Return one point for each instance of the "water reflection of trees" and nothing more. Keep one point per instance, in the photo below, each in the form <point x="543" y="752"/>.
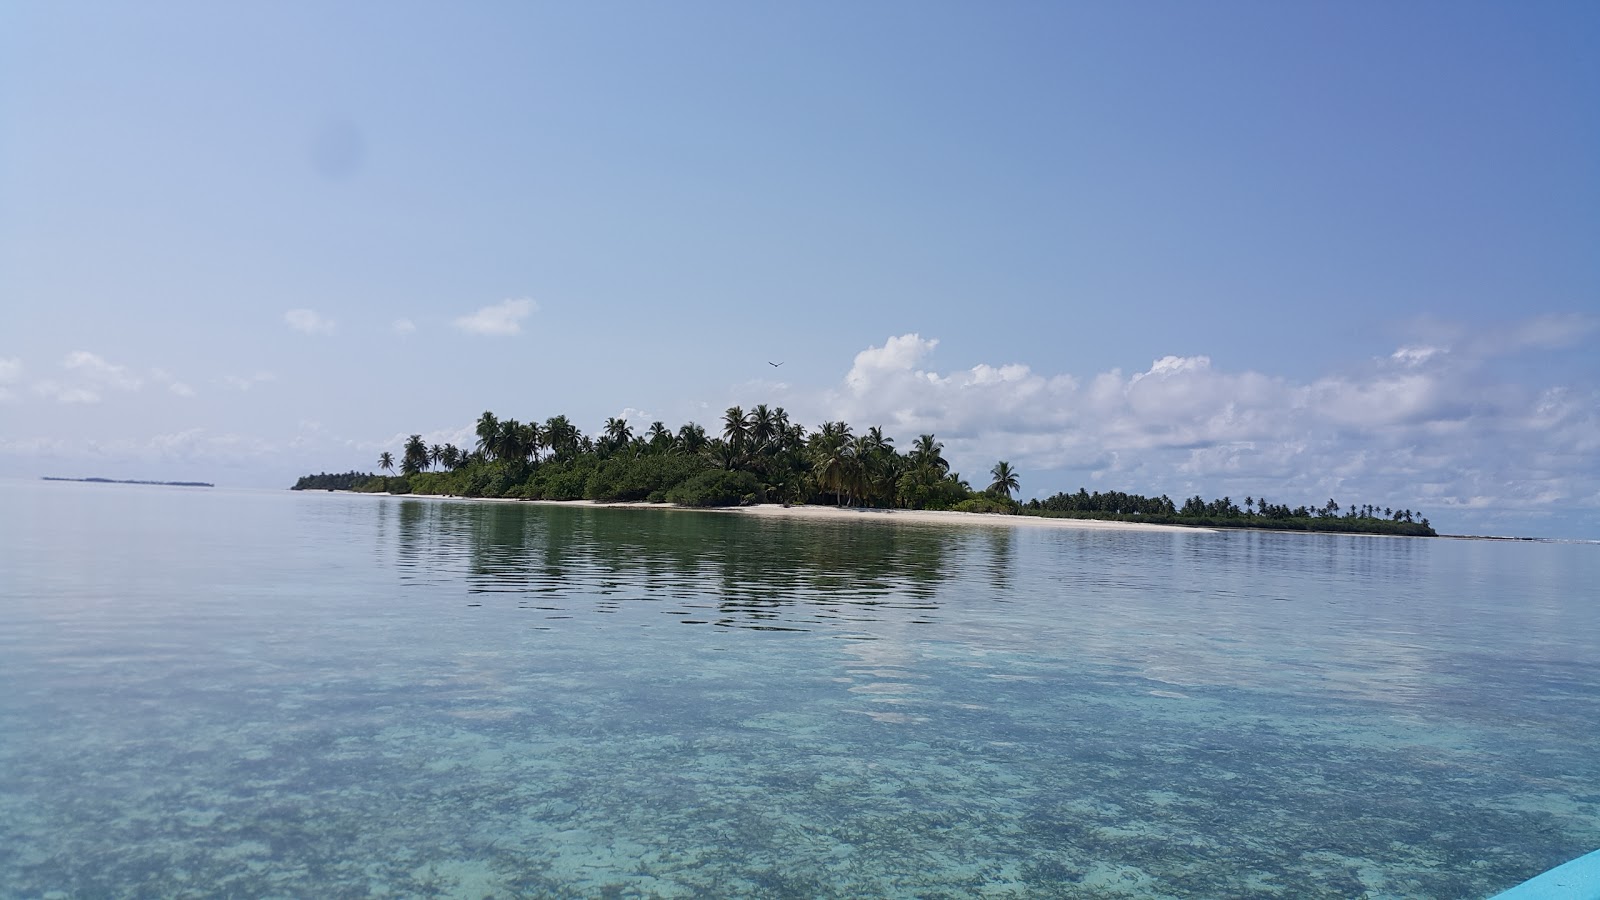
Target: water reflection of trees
<point x="750" y="571"/>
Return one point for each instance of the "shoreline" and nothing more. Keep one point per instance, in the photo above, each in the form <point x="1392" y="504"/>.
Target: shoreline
<point x="834" y="514"/>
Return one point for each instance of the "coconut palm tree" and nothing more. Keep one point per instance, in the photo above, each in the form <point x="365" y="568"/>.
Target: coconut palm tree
<point x="926" y="452"/>
<point x="487" y="430"/>
<point x="415" y="458"/>
<point x="780" y="427"/>
<point x="562" y="437"/>
<point x="386" y="461"/>
<point x="1005" y="479"/>
<point x="830" y="450"/>
<point x="618" y="434"/>
<point x="507" y="443"/>
<point x="530" y="439"/>
<point x="691" y="438"/>
<point x="735" y="428"/>
<point x="659" y="437"/>
<point x="763" y="428"/>
<point x="435" y="456"/>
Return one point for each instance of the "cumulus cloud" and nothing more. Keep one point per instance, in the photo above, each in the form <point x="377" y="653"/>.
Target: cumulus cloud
<point x="309" y="321"/>
<point x="87" y="378"/>
<point x="500" y="320"/>
<point x="173" y="385"/>
<point x="403" y="326"/>
<point x="97" y="371"/>
<point x="246" y="382"/>
<point x="1421" y="426"/>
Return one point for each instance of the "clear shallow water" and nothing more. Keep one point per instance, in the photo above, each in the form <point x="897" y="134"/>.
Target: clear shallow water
<point x="212" y="693"/>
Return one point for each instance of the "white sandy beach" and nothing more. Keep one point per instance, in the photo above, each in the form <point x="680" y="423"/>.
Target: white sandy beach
<point x="942" y="517"/>
<point x="851" y="514"/>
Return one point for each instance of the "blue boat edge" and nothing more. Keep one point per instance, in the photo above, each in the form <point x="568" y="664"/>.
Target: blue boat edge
<point x="1575" y="880"/>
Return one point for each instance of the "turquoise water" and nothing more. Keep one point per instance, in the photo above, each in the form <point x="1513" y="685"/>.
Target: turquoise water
<point x="213" y="693"/>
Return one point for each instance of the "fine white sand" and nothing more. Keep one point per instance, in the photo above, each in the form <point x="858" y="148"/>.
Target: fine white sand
<point x="939" y="517"/>
<point x="849" y="514"/>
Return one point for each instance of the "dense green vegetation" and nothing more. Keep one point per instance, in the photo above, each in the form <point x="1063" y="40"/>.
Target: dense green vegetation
<point x="322" y="481"/>
<point x="761" y="456"/>
<point x="1224" y="513"/>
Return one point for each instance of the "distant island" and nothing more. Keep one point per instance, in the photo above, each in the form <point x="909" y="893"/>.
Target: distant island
<point x="763" y="457"/>
<point x="133" y="481"/>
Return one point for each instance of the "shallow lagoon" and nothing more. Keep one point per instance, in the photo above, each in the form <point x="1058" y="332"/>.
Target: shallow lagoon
<point x="270" y="694"/>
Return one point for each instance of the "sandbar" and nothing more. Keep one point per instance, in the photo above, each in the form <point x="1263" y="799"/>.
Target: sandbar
<point x="839" y="513"/>
<point x="944" y="517"/>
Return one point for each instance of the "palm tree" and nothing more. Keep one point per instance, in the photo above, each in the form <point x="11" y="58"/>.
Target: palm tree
<point x="530" y="439"/>
<point x="488" y="430"/>
<point x="831" y="459"/>
<point x="508" y="441"/>
<point x="926" y="453"/>
<point x="659" y="437"/>
<point x="618" y="434"/>
<point x="386" y="461"/>
<point x="763" y="428"/>
<point x="1005" y="479"/>
<point x="784" y="434"/>
<point x="879" y="465"/>
<point x="691" y="438"/>
<point x="721" y="454"/>
<point x="415" y="458"/>
<point x="435" y="456"/>
<point x="735" y="428"/>
<point x="562" y="437"/>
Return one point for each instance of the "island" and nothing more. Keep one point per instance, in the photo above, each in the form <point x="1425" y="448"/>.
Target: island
<point x="761" y="456"/>
<point x="204" y="484"/>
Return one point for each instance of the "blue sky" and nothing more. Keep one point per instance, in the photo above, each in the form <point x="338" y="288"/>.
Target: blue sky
<point x="1294" y="250"/>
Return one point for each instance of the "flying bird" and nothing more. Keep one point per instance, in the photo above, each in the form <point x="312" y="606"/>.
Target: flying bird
<point x="773" y="364"/>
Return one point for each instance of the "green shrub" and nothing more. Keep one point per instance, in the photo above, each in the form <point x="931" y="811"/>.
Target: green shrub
<point x="717" y="487"/>
<point x="986" y="505"/>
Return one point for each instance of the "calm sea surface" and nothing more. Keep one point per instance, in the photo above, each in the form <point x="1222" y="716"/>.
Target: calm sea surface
<point x="214" y="693"/>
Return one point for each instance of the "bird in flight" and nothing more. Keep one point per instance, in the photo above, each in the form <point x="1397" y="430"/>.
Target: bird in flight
<point x="774" y="364"/>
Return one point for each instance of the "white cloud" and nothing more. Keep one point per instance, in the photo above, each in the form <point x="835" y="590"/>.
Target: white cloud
<point x="97" y="371"/>
<point x="1422" y="427"/>
<point x="897" y="354"/>
<point x="1547" y="332"/>
<point x="10" y="373"/>
<point x="500" y="320"/>
<point x="161" y="376"/>
<point x="403" y="326"/>
<point x="1412" y="357"/>
<point x="309" y="321"/>
<point x="66" y="393"/>
<point x="86" y="378"/>
<point x="246" y="382"/>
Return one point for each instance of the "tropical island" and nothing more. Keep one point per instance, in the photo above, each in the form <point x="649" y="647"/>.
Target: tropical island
<point x="204" y="484"/>
<point x="763" y="457"/>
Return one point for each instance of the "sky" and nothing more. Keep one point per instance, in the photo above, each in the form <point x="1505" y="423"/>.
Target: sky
<point x="1300" y="251"/>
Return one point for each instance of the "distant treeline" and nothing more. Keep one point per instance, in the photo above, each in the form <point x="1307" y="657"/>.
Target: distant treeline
<point x="1225" y="513"/>
<point x="342" y="481"/>
<point x="133" y="481"/>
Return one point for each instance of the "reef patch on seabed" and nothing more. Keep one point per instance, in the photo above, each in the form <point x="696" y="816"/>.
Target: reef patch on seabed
<point x="757" y="772"/>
